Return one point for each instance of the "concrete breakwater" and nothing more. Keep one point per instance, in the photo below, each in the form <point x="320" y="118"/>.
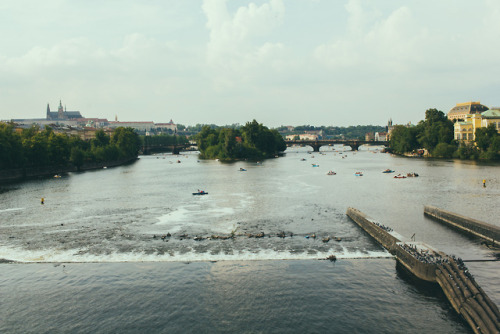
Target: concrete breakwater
<point x="459" y="286"/>
<point x="14" y="175"/>
<point x="469" y="225"/>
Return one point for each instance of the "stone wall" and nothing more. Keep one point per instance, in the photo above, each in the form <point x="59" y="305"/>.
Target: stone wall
<point x="383" y="237"/>
<point x="475" y="227"/>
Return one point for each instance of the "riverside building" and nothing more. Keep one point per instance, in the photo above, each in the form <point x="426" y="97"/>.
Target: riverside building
<point x="469" y="116"/>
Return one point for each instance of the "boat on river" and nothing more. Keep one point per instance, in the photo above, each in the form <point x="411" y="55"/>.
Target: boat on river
<point x="315" y="165"/>
<point x="200" y="192"/>
<point x="331" y="172"/>
<point x="400" y="176"/>
<point x="388" y="171"/>
<point x="358" y="174"/>
<point x="242" y="169"/>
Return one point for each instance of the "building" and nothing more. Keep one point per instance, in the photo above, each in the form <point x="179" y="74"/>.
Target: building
<point x="303" y="136"/>
<point x="61" y="114"/>
<point x="466" y="130"/>
<point x="141" y="126"/>
<point x="369" y="136"/>
<point x="461" y="110"/>
<point x="491" y="116"/>
<point x="166" y="126"/>
<point x="380" y="136"/>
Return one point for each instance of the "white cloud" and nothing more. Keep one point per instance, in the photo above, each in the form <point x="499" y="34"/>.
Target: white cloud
<point x="238" y="49"/>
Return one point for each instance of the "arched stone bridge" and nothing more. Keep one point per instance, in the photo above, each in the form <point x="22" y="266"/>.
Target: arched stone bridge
<point x="354" y="144"/>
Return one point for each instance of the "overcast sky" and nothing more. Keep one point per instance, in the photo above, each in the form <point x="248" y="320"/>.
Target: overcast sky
<point x="281" y="62"/>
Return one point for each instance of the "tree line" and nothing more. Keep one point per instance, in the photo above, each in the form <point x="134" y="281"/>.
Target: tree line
<point x="251" y="141"/>
<point x="163" y="140"/>
<point x="36" y="147"/>
<point x="436" y="135"/>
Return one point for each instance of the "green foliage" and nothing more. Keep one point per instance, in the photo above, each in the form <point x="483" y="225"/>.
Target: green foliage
<point x="467" y="152"/>
<point x="251" y="141"/>
<point x="488" y="141"/>
<point x="34" y="147"/>
<point x="403" y="139"/>
<point x="436" y="135"/>
<point x="444" y="150"/>
<point x="11" y="152"/>
<point x="163" y="140"/>
<point x="434" y="130"/>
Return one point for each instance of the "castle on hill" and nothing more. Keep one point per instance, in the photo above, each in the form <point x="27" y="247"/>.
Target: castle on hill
<point x="62" y="114"/>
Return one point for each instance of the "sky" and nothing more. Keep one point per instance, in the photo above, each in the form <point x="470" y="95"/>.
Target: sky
<point x="281" y="62"/>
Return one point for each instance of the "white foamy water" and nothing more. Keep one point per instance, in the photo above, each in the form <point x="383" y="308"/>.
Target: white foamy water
<point x="73" y="256"/>
<point x="11" y="209"/>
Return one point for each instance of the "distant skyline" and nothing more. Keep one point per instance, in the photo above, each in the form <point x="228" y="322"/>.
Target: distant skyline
<point x="316" y="62"/>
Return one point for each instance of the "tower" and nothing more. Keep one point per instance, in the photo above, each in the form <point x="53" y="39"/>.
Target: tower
<point x="60" y="111"/>
<point x="48" y="112"/>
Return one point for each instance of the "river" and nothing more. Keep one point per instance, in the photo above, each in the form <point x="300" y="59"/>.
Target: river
<point x="95" y="257"/>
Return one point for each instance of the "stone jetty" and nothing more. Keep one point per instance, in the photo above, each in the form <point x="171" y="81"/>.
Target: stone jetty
<point x="468" y="225"/>
<point x="426" y="263"/>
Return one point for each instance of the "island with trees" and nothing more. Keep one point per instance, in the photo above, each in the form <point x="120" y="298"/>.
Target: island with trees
<point x="252" y="141"/>
<point x="435" y="134"/>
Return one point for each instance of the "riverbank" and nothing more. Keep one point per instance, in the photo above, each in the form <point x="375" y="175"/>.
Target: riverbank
<point x="21" y="174"/>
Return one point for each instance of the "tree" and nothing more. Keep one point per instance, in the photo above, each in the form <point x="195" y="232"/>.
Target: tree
<point x="485" y="136"/>
<point x="435" y="129"/>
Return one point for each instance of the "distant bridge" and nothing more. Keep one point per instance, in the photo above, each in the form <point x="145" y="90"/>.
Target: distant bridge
<point x="175" y="148"/>
<point x="354" y="144"/>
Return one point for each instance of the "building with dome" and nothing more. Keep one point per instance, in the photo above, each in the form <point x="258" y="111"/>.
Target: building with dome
<point x="461" y="110"/>
<point x="466" y="124"/>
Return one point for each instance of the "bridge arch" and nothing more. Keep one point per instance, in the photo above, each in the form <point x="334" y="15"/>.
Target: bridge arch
<point x="316" y="144"/>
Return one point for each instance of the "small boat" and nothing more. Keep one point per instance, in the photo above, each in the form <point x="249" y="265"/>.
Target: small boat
<point x="302" y="159"/>
<point x="242" y="169"/>
<point x="201" y="192"/>
<point x="315" y="165"/>
<point x="388" y="171"/>
<point x="412" y="174"/>
<point x="399" y="176"/>
<point x="331" y="173"/>
<point x="57" y="176"/>
<point x="358" y="174"/>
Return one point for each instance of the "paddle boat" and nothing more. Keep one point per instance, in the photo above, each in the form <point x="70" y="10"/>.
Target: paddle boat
<point x="200" y="192"/>
<point x="242" y="169"/>
<point x="388" y="171"/>
<point x="331" y="172"/>
<point x="315" y="165"/>
<point x="358" y="174"/>
<point x="399" y="176"/>
<point x="412" y="174"/>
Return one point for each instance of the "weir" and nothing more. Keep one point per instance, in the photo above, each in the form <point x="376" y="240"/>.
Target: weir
<point x="426" y="263"/>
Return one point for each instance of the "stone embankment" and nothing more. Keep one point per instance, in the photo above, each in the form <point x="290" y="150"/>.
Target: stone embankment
<point x="14" y="175"/>
<point x="468" y="225"/>
<point x="459" y="286"/>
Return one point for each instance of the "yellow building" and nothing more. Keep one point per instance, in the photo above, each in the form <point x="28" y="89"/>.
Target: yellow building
<point x="491" y="117"/>
<point x="461" y="110"/>
<point x="466" y="130"/>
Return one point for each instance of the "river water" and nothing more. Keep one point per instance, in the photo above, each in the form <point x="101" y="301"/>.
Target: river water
<point x="94" y="257"/>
